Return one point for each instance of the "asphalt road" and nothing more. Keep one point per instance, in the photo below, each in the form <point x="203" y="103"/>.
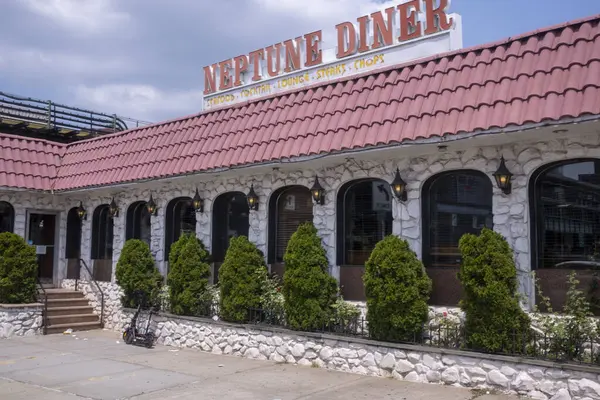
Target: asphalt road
<point x="92" y="365"/>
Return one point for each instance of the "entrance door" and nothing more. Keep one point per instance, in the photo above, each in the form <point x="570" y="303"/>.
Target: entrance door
<point x="42" y="230"/>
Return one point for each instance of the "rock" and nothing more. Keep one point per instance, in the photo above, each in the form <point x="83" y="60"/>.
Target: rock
<point x="524" y="382"/>
<point x="326" y="353"/>
<point x="536" y="395"/>
<point x="450" y="375"/>
<point x="304" y="362"/>
<point x="298" y="350"/>
<point x="562" y="394"/>
<point x="414" y="358"/>
<point x="495" y="377"/>
<point x="403" y="366"/>
<point x="412" y="377"/>
<point x="590" y="388"/>
<point x="347" y="353"/>
<point x="433" y="376"/>
<point x="369" y="360"/>
<point x="448" y="361"/>
<point x="388" y="362"/>
<point x="507" y="371"/>
<point x="476" y="371"/>
<point x="251" y="352"/>
<point x="430" y="362"/>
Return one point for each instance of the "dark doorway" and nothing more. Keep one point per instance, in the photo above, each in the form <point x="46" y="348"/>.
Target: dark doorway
<point x="42" y="231"/>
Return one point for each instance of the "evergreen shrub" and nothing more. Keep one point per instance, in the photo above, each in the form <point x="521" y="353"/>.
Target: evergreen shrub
<point x="308" y="289"/>
<point x="18" y="270"/>
<point x="494" y="320"/>
<point x="137" y="275"/>
<point x="241" y="277"/>
<point x="397" y="290"/>
<point x="189" y="270"/>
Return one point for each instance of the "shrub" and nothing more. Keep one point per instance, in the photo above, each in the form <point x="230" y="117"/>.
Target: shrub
<point x="272" y="301"/>
<point x="18" y="270"/>
<point x="137" y="275"/>
<point x="397" y="290"/>
<point x="494" y="320"/>
<point x="240" y="278"/>
<point x="308" y="289"/>
<point x="189" y="270"/>
<point x="564" y="336"/>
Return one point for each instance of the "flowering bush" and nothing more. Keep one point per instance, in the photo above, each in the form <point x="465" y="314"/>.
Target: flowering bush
<point x="272" y="300"/>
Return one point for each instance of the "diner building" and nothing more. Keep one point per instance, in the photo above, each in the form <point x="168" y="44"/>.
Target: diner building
<point x="505" y="135"/>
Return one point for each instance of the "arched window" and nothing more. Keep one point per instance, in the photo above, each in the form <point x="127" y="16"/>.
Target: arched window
<point x="454" y="203"/>
<point x="289" y="207"/>
<point x="230" y="218"/>
<point x="102" y="243"/>
<point x="138" y="222"/>
<point x="180" y="218"/>
<point x="565" y="221"/>
<point x="7" y="217"/>
<point x="73" y="245"/>
<point x="364" y="217"/>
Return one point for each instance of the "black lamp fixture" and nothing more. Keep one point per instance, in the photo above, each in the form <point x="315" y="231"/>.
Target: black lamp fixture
<point x="399" y="187"/>
<point x="503" y="177"/>
<point x="317" y="191"/>
<point x="151" y="206"/>
<point x="113" y="208"/>
<point x="81" y="211"/>
<point x="198" y="202"/>
<point x="252" y="198"/>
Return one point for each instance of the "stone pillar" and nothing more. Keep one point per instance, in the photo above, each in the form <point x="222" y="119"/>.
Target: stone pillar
<point x="324" y="219"/>
<point x="86" y="240"/>
<point x="118" y="235"/>
<point x="157" y="223"/>
<point x="204" y="224"/>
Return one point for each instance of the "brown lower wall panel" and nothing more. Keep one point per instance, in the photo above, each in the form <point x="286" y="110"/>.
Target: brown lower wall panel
<point x="554" y="284"/>
<point x="73" y="268"/>
<point x="103" y="270"/>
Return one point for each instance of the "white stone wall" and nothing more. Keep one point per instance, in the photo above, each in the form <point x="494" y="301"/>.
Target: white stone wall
<point x="20" y="320"/>
<point x="511" y="212"/>
<point x="538" y="380"/>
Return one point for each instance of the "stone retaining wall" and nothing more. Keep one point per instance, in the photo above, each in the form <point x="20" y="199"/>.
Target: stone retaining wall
<point x="536" y="379"/>
<point x="20" y="320"/>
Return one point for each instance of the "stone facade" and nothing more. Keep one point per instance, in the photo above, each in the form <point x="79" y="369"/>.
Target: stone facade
<point x="20" y="320"/>
<point x="538" y="380"/>
<point x="112" y="299"/>
<point x="511" y="212"/>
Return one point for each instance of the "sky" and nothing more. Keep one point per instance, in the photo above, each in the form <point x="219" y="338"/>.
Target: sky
<point x="144" y="59"/>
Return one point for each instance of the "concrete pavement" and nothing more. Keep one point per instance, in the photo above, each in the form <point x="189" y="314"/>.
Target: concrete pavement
<point x="92" y="365"/>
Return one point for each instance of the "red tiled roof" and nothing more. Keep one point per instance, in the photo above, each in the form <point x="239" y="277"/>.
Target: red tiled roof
<point x="28" y="163"/>
<point x="546" y="75"/>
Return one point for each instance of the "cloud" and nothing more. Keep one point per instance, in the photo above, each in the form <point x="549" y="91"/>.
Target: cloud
<point x="140" y="101"/>
<point x="83" y="16"/>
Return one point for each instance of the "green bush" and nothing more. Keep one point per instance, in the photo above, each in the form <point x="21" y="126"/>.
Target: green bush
<point x="494" y="320"/>
<point x="240" y="277"/>
<point x="308" y="289"/>
<point x="189" y="270"/>
<point x="397" y="290"/>
<point x="18" y="270"/>
<point x="137" y="273"/>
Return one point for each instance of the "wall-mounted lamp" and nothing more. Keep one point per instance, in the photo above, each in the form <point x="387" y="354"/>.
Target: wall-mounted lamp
<point x="151" y="206"/>
<point x="113" y="209"/>
<point x="503" y="177"/>
<point x="399" y="187"/>
<point x="317" y="191"/>
<point x="252" y="199"/>
<point x="198" y="202"/>
<point x="81" y="212"/>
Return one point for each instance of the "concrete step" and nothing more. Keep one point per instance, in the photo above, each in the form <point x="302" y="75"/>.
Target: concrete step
<point x="56" y="311"/>
<point x="62" y="294"/>
<point x="76" y="327"/>
<point x="74" y="302"/>
<point x="71" y="319"/>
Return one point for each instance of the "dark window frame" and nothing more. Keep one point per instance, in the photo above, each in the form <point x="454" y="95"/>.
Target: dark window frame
<point x="173" y="220"/>
<point x="136" y="212"/>
<point x="341" y="253"/>
<point x="11" y="212"/>
<point x="102" y="233"/>
<point x="535" y="204"/>
<point x="73" y="235"/>
<point x="273" y="225"/>
<point x="220" y="222"/>
<point x="427" y="203"/>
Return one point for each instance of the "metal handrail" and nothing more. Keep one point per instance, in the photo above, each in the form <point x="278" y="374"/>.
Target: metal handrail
<point x="45" y="314"/>
<point x="81" y="262"/>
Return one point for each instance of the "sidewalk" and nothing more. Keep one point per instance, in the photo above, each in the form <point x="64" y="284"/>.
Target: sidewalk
<point x="92" y="365"/>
